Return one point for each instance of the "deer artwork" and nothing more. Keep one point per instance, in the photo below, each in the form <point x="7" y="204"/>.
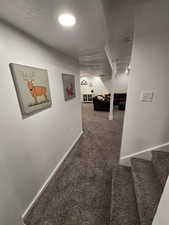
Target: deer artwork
<point x="36" y="91"/>
<point x="69" y="90"/>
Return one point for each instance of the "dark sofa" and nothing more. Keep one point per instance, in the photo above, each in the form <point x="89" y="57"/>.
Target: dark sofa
<point x="104" y="103"/>
<point x="119" y="98"/>
<point x="101" y="105"/>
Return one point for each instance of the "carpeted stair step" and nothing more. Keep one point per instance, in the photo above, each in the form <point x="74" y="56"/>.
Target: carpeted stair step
<point x="123" y="204"/>
<point x="161" y="165"/>
<point x="148" y="189"/>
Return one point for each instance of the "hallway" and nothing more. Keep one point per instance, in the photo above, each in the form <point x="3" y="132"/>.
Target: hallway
<point x="79" y="194"/>
<point x="62" y="163"/>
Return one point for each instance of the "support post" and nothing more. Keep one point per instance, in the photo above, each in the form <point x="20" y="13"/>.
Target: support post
<point x="114" y="71"/>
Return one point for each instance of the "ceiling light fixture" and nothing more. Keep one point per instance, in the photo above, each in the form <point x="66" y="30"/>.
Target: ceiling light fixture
<point x="67" y="20"/>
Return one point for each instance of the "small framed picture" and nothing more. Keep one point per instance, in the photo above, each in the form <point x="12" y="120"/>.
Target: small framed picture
<point x="69" y="86"/>
<point x="32" y="87"/>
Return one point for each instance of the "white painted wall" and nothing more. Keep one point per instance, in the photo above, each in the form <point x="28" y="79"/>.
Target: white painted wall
<point x="147" y="124"/>
<point x="95" y="83"/>
<point x="104" y="85"/>
<point x="121" y="83"/>
<point x="31" y="148"/>
<point x="161" y="217"/>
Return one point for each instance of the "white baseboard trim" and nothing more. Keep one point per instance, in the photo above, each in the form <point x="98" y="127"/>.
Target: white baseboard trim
<point x="50" y="177"/>
<point x="144" y="154"/>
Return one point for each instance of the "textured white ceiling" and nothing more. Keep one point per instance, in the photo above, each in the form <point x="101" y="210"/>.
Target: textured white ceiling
<point x="119" y="15"/>
<point x="120" y="21"/>
<point x="96" y="21"/>
<point x="94" y="62"/>
<point x="39" y="18"/>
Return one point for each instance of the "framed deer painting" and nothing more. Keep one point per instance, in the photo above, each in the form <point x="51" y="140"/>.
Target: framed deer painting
<point x="68" y="86"/>
<point x="32" y="87"/>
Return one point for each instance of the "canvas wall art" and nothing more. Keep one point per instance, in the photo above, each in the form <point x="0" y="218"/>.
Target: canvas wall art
<point x="32" y="87"/>
<point x="69" y="86"/>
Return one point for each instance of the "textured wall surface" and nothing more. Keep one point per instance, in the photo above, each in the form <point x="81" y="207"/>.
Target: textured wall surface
<point x="146" y="123"/>
<point x="31" y="148"/>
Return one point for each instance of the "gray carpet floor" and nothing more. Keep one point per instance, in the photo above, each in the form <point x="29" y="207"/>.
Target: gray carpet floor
<point x="147" y="188"/>
<point x="80" y="192"/>
<point x="124" y="206"/>
<point x="161" y="164"/>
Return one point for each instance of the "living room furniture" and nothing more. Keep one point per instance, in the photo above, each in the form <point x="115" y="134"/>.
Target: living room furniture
<point x="119" y="98"/>
<point x="87" y="98"/>
<point x="122" y="106"/>
<point x="101" y="104"/>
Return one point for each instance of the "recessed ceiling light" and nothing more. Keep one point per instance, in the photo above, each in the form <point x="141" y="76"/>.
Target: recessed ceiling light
<point x="67" y="20"/>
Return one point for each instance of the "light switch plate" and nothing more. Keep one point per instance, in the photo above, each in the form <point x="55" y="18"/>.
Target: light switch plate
<point x="146" y="96"/>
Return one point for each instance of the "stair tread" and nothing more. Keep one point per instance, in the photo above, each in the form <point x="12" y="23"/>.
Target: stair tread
<point x="148" y="189"/>
<point x="161" y="164"/>
<point x="123" y="205"/>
